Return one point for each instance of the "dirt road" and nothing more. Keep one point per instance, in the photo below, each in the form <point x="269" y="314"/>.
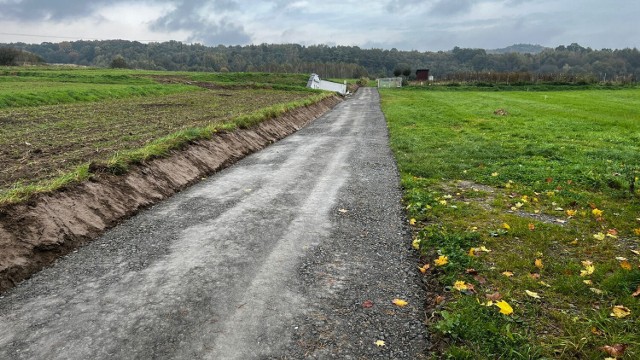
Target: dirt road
<point x="273" y="257"/>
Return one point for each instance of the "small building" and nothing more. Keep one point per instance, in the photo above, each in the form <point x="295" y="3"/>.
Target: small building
<point x="422" y="75"/>
<point x="316" y="83"/>
<point x="394" y="82"/>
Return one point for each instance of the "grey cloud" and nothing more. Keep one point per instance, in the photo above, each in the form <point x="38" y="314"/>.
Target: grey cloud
<point x="220" y="33"/>
<point x="46" y="9"/>
<point x="189" y="16"/>
<point x="448" y="7"/>
<point x="405" y="6"/>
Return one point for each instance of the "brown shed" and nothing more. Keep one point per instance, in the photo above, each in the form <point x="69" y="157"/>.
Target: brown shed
<point x="422" y="74"/>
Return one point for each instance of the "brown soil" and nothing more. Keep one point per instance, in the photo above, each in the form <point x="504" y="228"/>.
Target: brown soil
<point x="41" y="144"/>
<point x="34" y="234"/>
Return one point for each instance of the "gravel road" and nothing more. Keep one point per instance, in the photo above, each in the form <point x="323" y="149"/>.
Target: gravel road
<point x="273" y="257"/>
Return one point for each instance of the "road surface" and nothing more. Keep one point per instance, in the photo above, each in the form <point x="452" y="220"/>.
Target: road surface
<point x="272" y="257"/>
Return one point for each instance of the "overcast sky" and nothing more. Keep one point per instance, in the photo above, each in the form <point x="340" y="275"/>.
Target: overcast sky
<point x="427" y="25"/>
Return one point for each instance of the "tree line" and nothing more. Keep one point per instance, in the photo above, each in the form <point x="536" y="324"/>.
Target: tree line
<point x="341" y="61"/>
<point x="13" y="57"/>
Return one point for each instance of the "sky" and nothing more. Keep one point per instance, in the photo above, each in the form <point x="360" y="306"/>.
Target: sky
<point x="427" y="25"/>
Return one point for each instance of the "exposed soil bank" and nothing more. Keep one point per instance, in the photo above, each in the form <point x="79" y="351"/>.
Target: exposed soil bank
<point x="34" y="234"/>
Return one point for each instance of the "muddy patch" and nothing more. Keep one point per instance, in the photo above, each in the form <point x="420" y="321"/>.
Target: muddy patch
<point x="34" y="234"/>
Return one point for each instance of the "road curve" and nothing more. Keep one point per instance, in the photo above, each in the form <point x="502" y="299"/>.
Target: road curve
<point x="273" y="257"/>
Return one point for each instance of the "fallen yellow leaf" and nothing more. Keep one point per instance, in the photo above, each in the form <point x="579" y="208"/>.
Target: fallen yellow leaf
<point x="544" y="284"/>
<point x="571" y="212"/>
<point x="400" y="302"/>
<point x="507" y="273"/>
<point x="443" y="202"/>
<point x="636" y="231"/>
<point x="588" y="270"/>
<point x="532" y="227"/>
<point x="587" y="282"/>
<point x="460" y="285"/>
<point x="412" y="221"/>
<point x="494" y="174"/>
<point x="416" y="244"/>
<point x="597" y="212"/>
<point x="599" y="236"/>
<point x="596" y="291"/>
<point x="424" y="268"/>
<point x="380" y="343"/>
<point x="505" y="308"/>
<point x="625" y="265"/>
<point x="532" y="294"/>
<point x="620" y="311"/>
<point x="472" y="252"/>
<point x="538" y="263"/>
<point x="506" y="226"/>
<point x="441" y="261"/>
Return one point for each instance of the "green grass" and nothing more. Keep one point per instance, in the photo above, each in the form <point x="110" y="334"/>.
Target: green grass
<point x="541" y="170"/>
<point x="57" y="121"/>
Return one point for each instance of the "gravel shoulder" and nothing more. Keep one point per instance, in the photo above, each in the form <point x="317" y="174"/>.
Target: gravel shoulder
<point x="270" y="258"/>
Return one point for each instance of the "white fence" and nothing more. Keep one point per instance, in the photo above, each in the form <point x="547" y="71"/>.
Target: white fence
<point x="390" y="82"/>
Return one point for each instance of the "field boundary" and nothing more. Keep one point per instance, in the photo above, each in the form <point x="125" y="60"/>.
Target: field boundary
<point x="36" y="232"/>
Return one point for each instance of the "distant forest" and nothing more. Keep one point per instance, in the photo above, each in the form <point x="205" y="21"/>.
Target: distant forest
<point x="342" y="61"/>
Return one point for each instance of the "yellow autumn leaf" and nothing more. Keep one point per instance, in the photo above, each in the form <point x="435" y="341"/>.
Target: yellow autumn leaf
<point x="441" y="261"/>
<point x="460" y="285"/>
<point x="505" y="308"/>
<point x="472" y="252"/>
<point x="599" y="236"/>
<point x="587" y="282"/>
<point x="532" y="227"/>
<point x="380" y="343"/>
<point x="494" y="174"/>
<point x="443" y="202"/>
<point x="483" y="248"/>
<point x="636" y="231"/>
<point x="571" y="212"/>
<point x="400" y="302"/>
<point x="424" y="268"/>
<point x="588" y="270"/>
<point x="597" y="212"/>
<point x="412" y="221"/>
<point x="626" y="265"/>
<point x="532" y="294"/>
<point x="538" y="263"/>
<point x="506" y="226"/>
<point x="620" y="311"/>
<point x="507" y="273"/>
<point x="416" y="244"/>
<point x="596" y="291"/>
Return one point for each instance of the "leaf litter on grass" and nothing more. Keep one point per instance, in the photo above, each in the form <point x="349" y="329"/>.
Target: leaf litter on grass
<point x="563" y="272"/>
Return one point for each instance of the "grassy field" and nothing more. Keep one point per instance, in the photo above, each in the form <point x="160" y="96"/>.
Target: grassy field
<point x="54" y="122"/>
<point x="526" y="211"/>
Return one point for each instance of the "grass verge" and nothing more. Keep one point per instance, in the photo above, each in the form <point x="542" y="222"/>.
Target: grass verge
<point x="526" y="212"/>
